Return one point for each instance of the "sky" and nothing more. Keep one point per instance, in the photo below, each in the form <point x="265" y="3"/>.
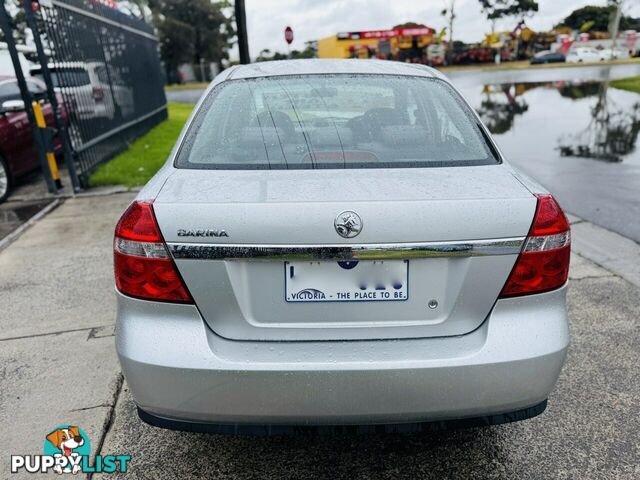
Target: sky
<point x="313" y="19"/>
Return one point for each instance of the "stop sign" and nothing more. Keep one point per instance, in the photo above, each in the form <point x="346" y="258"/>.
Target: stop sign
<point x="288" y="35"/>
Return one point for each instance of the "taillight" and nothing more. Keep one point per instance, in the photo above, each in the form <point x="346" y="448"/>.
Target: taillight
<point x="543" y="264"/>
<point x="98" y="94"/>
<point x="143" y="267"/>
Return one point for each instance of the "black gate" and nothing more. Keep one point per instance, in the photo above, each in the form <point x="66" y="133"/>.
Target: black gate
<point x="104" y="66"/>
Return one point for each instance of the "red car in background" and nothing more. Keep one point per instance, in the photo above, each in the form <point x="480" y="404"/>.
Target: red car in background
<point x="18" y="155"/>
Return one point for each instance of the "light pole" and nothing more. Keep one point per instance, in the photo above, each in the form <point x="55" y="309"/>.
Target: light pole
<point x="241" y="27"/>
<point x="614" y="25"/>
<point x="449" y="13"/>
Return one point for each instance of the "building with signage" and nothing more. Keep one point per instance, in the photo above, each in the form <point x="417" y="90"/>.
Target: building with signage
<point x="399" y="43"/>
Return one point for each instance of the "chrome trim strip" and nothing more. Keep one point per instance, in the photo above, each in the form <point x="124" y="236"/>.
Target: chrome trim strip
<point x="471" y="248"/>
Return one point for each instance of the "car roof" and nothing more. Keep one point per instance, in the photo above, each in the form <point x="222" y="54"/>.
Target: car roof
<point x="12" y="78"/>
<point x="317" y="66"/>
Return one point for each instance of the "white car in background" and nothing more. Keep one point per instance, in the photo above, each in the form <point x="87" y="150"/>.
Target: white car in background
<point x="6" y="65"/>
<point x="583" y="54"/>
<point x="613" y="54"/>
<point x="88" y="86"/>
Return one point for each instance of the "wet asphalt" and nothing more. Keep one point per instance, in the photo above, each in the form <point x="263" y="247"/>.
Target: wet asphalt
<point x="14" y="214"/>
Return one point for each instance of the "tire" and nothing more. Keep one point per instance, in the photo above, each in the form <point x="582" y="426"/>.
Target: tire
<point x="5" y="180"/>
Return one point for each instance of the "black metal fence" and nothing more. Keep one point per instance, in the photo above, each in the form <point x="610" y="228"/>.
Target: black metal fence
<point x="105" y="65"/>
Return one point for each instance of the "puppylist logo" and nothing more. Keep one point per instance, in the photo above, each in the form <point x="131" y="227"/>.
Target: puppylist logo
<point x="67" y="450"/>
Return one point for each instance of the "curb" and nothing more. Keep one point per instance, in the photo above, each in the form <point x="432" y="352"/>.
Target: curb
<point x="605" y="248"/>
<point x="92" y="192"/>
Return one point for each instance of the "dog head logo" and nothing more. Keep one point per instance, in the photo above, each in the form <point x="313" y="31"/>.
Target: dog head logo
<point x="67" y="441"/>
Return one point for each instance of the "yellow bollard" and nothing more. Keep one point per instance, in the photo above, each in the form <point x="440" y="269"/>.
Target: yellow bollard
<point x="51" y="158"/>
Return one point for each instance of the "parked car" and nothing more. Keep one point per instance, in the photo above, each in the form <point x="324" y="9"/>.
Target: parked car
<point x="546" y="56"/>
<point x="88" y="86"/>
<point x="436" y="54"/>
<point x="583" y="54"/>
<point x="17" y="151"/>
<point x="613" y="54"/>
<point x="339" y="242"/>
<point x="6" y="65"/>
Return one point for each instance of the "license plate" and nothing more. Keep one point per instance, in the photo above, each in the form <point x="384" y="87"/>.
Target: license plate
<point x="349" y="281"/>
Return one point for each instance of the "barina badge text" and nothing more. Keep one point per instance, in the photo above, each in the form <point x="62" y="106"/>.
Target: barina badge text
<point x="183" y="232"/>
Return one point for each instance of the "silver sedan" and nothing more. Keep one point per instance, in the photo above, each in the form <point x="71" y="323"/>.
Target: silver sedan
<point x="339" y="243"/>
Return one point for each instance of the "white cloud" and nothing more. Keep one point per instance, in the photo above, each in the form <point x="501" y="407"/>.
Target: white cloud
<point x="313" y="19"/>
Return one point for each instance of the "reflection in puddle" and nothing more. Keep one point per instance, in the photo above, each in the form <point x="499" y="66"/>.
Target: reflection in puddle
<point x="579" y="119"/>
<point x="501" y="104"/>
<point x="611" y="133"/>
<point x="14" y="214"/>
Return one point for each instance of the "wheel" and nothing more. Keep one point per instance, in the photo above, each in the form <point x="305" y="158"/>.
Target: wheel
<point x="5" y="180"/>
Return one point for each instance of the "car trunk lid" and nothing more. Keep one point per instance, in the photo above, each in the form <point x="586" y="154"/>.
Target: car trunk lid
<point x="449" y="236"/>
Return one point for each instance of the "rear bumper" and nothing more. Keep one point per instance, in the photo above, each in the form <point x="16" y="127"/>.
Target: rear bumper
<point x="180" y="371"/>
<point x="271" y="429"/>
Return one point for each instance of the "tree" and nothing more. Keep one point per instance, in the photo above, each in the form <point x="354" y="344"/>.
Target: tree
<point x="195" y="31"/>
<point x="265" y="55"/>
<point x="18" y="20"/>
<point x="495" y="9"/>
<point x="599" y="18"/>
<point x="310" y="51"/>
<point x="176" y="44"/>
<point x="211" y="29"/>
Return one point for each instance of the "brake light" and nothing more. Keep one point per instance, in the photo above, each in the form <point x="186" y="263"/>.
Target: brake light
<point x="143" y="267"/>
<point x="543" y="264"/>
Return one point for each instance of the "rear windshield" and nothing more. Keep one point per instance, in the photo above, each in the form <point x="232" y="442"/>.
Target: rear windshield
<point x="67" y="77"/>
<point x="333" y="121"/>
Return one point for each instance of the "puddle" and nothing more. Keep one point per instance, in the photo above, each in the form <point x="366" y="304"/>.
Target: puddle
<point x="14" y="214"/>
<point x="584" y="119"/>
